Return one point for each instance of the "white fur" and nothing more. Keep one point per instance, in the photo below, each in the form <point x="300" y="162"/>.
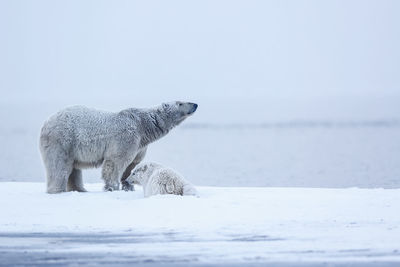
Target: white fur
<point x="78" y="137"/>
<point x="157" y="179"/>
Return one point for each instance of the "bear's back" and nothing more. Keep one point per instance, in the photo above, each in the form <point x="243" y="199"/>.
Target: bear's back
<point x="78" y="121"/>
<point x="166" y="181"/>
<point x="78" y="129"/>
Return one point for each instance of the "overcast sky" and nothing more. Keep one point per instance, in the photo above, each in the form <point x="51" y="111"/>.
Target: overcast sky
<point x="198" y="49"/>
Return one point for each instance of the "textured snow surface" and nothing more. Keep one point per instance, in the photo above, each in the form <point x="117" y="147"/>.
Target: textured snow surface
<point x="222" y="225"/>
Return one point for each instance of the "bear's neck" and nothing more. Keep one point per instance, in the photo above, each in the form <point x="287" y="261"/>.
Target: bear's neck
<point x="153" y="126"/>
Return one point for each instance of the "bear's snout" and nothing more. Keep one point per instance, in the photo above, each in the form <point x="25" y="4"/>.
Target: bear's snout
<point x="193" y="109"/>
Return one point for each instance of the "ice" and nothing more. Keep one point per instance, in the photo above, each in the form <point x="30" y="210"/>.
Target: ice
<point x="235" y="224"/>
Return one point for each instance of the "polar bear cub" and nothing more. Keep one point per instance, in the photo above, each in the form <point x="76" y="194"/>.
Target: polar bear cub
<point x="157" y="179"/>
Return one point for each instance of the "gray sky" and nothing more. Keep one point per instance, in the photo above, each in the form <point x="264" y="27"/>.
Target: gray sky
<point x="154" y="50"/>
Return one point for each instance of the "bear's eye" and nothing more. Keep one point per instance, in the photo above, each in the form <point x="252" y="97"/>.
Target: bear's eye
<point x="180" y="104"/>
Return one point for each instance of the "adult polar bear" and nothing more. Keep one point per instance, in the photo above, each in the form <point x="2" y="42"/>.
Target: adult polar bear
<point x="78" y="137"/>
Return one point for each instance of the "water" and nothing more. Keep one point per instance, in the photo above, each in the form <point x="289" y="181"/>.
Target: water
<point x="110" y="249"/>
<point x="299" y="153"/>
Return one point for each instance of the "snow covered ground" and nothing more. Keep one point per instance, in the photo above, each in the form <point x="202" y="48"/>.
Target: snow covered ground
<point x="223" y="225"/>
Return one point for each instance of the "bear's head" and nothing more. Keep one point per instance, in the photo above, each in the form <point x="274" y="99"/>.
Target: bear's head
<point x="142" y="172"/>
<point x="177" y="111"/>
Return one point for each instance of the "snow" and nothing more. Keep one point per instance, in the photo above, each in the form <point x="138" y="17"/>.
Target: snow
<point x="224" y="224"/>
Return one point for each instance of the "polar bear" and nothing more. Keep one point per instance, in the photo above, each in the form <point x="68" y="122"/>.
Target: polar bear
<point x="78" y="137"/>
<point x="157" y="179"/>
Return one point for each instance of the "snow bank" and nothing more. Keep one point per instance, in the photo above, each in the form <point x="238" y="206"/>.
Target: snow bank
<point x="223" y="223"/>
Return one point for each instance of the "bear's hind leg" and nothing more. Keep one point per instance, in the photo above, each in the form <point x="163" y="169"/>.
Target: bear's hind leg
<point x="75" y="182"/>
<point x="58" y="170"/>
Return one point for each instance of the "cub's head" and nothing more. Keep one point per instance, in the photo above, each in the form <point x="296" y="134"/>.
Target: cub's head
<point x="142" y="172"/>
<point x="177" y="111"/>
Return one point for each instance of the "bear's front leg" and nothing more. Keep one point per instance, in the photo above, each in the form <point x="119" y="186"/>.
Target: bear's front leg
<point x="110" y="175"/>
<point x="127" y="186"/>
